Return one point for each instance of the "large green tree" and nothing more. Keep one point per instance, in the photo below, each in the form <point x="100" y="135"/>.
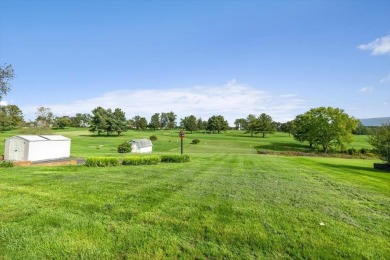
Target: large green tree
<point x="380" y="139"/>
<point x="99" y="120"/>
<point x="287" y="127"/>
<point x="240" y="123"/>
<point x="265" y="125"/>
<point x="201" y="124"/>
<point x="62" y="122"/>
<point x="6" y="75"/>
<point x="168" y="120"/>
<point x="155" y="121"/>
<point x="119" y="118"/>
<point x="108" y="121"/>
<point x="189" y="123"/>
<point x="217" y="124"/>
<point x="143" y="123"/>
<point x="171" y="120"/>
<point x="81" y="120"/>
<point x="136" y="122"/>
<point x="252" y="124"/>
<point x="325" y="127"/>
<point x="10" y="117"/>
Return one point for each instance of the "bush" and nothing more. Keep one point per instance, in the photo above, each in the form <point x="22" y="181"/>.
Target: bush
<point x="175" y="158"/>
<point x="141" y="160"/>
<point x="153" y="138"/>
<point x="351" y="151"/>
<point x="6" y="164"/>
<point x="124" y="147"/>
<point x="363" y="150"/>
<point x="101" y="162"/>
<point x="195" y="141"/>
<point x="36" y="130"/>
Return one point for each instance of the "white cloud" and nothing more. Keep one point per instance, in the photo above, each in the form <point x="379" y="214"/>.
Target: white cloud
<point x="231" y="100"/>
<point x="378" y="47"/>
<point x="3" y="103"/>
<point x="366" y="89"/>
<point x="385" y="79"/>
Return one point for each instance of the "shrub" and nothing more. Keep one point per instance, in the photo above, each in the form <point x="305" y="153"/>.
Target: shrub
<point x="6" y="164"/>
<point x="36" y="130"/>
<point x="195" y="141"/>
<point x="153" y="138"/>
<point x="351" y="151"/>
<point x="141" y="160"/>
<point x="175" y="158"/>
<point x="363" y="150"/>
<point x="124" y="147"/>
<point x="101" y="162"/>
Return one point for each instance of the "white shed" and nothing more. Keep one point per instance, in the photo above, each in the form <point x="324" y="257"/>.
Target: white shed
<point x="141" y="146"/>
<point x="36" y="148"/>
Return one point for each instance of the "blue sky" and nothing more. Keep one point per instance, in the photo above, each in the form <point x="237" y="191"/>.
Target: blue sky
<point x="198" y="57"/>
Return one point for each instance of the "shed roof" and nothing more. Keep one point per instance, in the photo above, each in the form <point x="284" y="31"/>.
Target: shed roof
<point x="37" y="138"/>
<point x="142" y="142"/>
<point x="55" y="137"/>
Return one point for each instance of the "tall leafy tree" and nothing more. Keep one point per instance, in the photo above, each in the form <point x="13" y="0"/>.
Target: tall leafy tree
<point x="252" y="124"/>
<point x="189" y="123"/>
<point x="325" y="127"/>
<point x="201" y="124"/>
<point x="287" y="127"/>
<point x="81" y="120"/>
<point x="240" y="123"/>
<point x="171" y="120"/>
<point x="265" y="125"/>
<point x="99" y="122"/>
<point x="164" y="120"/>
<point x="143" y="123"/>
<point x="120" y="121"/>
<point x="10" y="117"/>
<point x="136" y="122"/>
<point x="155" y="121"/>
<point x="217" y="123"/>
<point x="380" y="139"/>
<point x="62" y="122"/>
<point x="6" y="75"/>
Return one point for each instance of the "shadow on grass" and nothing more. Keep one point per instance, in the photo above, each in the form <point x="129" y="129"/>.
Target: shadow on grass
<point x="277" y="146"/>
<point x="356" y="169"/>
<point x="102" y="136"/>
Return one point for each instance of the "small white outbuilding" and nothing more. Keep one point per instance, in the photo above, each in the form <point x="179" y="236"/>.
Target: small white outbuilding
<point x="141" y="146"/>
<point x="35" y="148"/>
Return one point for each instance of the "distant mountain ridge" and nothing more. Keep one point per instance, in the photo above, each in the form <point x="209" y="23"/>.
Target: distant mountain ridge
<point x="375" y="121"/>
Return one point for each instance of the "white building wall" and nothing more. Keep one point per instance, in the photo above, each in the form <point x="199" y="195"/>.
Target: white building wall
<point x="36" y="149"/>
<point x="48" y="150"/>
<point x="135" y="149"/>
<point x="15" y="149"/>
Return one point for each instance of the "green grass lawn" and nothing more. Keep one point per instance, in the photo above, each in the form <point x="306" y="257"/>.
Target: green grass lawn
<point x="228" y="202"/>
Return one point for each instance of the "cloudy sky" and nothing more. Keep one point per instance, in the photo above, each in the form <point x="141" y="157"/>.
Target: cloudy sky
<point x="204" y="58"/>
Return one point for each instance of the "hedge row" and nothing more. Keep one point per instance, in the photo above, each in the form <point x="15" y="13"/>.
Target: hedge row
<point x="135" y="160"/>
<point x="141" y="160"/>
<point x="175" y="158"/>
<point x="101" y="161"/>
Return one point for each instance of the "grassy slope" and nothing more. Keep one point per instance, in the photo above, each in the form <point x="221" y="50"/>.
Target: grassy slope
<point x="228" y="202"/>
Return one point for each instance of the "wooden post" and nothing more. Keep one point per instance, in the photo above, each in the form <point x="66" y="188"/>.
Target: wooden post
<point x="181" y="134"/>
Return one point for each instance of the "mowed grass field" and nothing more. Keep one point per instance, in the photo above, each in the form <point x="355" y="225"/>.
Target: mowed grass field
<point x="228" y="202"/>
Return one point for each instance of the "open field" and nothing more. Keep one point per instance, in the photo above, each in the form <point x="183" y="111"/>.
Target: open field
<point x="228" y="202"/>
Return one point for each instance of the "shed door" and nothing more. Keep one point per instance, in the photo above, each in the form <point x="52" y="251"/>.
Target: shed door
<point x="16" y="150"/>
